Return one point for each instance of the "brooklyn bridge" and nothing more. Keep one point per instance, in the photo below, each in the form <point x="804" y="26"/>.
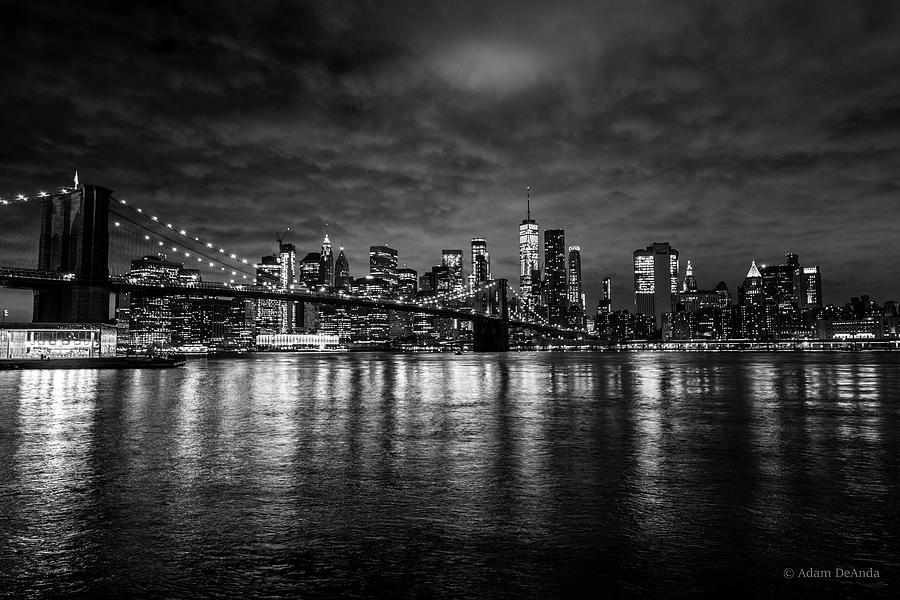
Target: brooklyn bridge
<point x="76" y="262"/>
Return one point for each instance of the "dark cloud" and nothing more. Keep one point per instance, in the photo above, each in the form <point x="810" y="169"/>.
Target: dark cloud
<point x="736" y="131"/>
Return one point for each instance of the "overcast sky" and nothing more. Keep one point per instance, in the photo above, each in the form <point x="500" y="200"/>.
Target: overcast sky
<point x="735" y="131"/>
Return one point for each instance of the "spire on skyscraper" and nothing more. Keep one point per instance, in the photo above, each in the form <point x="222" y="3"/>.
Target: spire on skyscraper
<point x="528" y="201"/>
<point x="754" y="271"/>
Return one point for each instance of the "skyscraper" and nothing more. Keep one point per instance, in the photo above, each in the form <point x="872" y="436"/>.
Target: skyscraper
<point x="268" y="311"/>
<point x="310" y="271"/>
<point x="576" y="291"/>
<point x="383" y="264"/>
<point x="287" y="258"/>
<point x="605" y="305"/>
<point x="408" y="283"/>
<point x="326" y="260"/>
<point x="655" y="280"/>
<point x="453" y="260"/>
<point x="778" y="281"/>
<point x="555" y="274"/>
<point x="757" y="314"/>
<point x="808" y="287"/>
<point x="753" y="291"/>
<point x="342" y="272"/>
<point x="529" y="256"/>
<point x="481" y="260"/>
<point x="690" y="282"/>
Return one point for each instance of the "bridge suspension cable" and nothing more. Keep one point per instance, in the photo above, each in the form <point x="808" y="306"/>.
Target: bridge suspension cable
<point x="165" y="237"/>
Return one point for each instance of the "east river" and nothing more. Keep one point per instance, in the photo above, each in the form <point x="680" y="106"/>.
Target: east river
<point x="417" y="476"/>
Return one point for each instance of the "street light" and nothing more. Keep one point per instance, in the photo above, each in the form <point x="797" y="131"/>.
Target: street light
<point x="5" y="314"/>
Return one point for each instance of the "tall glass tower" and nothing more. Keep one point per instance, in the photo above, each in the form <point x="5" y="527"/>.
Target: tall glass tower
<point x="556" y="284"/>
<point x="655" y="280"/>
<point x="529" y="256"/>
<point x="576" y="289"/>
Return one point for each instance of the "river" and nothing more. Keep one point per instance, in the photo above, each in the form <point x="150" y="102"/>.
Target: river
<point x="496" y="475"/>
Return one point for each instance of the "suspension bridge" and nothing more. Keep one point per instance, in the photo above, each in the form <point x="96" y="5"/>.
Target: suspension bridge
<point x="73" y="247"/>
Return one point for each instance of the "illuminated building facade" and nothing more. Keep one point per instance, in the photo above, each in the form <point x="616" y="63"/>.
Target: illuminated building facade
<point x="287" y="259"/>
<point x="655" y="280"/>
<point x="56" y="340"/>
<point x="383" y="264"/>
<point x="481" y="261"/>
<point x="342" y="277"/>
<point x="529" y="258"/>
<point x="757" y="317"/>
<point x="453" y="260"/>
<point x="808" y="285"/>
<point x="268" y="311"/>
<point x="576" y="290"/>
<point x="310" y="272"/>
<point x="372" y="325"/>
<point x="556" y="284"/>
<point x="605" y="304"/>
<point x="326" y="263"/>
<point x="150" y="316"/>
<point x="408" y="283"/>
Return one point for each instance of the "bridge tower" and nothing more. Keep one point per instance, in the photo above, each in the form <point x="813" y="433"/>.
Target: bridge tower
<point x="492" y="334"/>
<point x="75" y="239"/>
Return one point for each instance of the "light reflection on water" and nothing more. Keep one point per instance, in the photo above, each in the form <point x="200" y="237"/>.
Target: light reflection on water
<point x="475" y="475"/>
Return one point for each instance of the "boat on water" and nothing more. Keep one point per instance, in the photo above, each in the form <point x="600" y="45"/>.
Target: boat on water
<point x="114" y="362"/>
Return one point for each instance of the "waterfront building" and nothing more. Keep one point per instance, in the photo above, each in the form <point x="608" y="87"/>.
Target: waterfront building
<point x="336" y="320"/>
<point x="865" y="328"/>
<point x="180" y="320"/>
<point x="57" y="340"/>
<point x="150" y="316"/>
<point x="655" y="280"/>
<point x="302" y="341"/>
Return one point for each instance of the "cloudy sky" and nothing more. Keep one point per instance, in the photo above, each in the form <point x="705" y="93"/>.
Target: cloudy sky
<point x="735" y="131"/>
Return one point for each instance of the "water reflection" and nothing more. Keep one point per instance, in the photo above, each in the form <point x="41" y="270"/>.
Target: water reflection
<point x="538" y="474"/>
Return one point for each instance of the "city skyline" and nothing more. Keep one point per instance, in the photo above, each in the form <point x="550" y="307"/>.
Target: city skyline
<point x="289" y="265"/>
<point x="632" y="125"/>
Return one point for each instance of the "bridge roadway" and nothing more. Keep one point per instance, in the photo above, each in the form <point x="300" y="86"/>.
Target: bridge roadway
<point x="37" y="279"/>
